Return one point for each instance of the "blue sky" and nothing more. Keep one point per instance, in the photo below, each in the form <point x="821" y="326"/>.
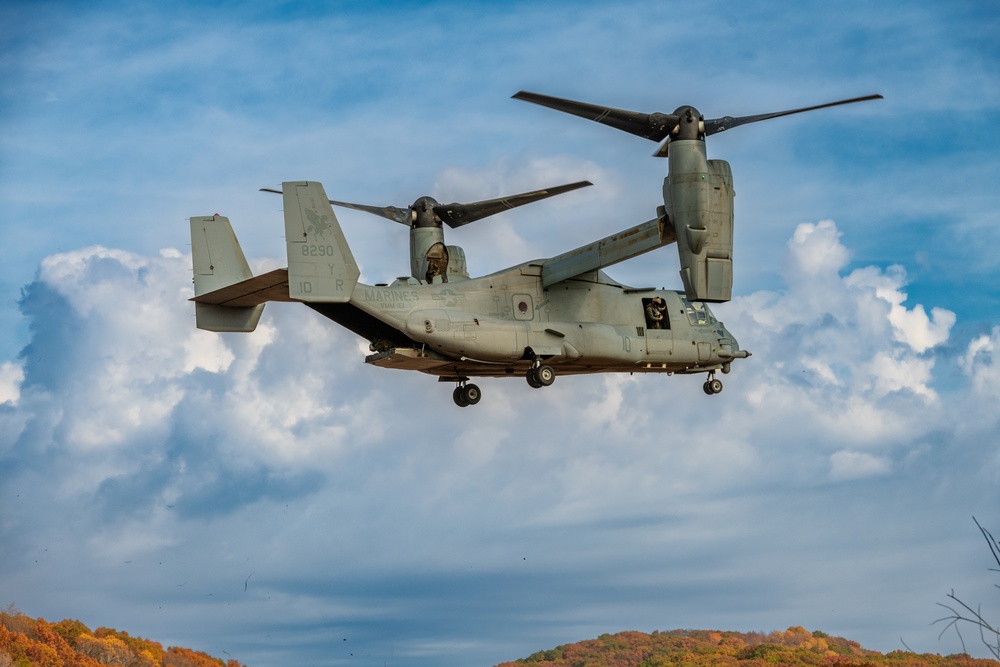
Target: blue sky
<point x="271" y="497"/>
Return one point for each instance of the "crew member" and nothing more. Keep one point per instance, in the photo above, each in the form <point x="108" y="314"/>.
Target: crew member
<point x="655" y="313"/>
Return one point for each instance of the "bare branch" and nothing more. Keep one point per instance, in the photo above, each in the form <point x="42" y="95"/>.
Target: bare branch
<point x="964" y="613"/>
<point x="992" y="542"/>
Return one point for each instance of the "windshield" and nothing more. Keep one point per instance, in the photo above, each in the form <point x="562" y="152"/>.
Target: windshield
<point x="698" y="313"/>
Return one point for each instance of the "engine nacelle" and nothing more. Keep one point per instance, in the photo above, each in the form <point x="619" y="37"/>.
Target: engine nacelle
<point x="698" y="202"/>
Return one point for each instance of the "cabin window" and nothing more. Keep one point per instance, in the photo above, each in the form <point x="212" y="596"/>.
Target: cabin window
<point x="523" y="306"/>
<point x="655" y="313"/>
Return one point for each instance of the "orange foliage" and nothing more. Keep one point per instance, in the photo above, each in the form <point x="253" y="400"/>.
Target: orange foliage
<point x="184" y="657"/>
<point x="693" y="648"/>
<point x="27" y="642"/>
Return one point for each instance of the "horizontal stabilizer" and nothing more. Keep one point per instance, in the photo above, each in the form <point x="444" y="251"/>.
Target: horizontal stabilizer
<point x="271" y="286"/>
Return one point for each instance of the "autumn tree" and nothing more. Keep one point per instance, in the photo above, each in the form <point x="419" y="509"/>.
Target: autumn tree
<point x="185" y="657"/>
<point x="29" y="642"/>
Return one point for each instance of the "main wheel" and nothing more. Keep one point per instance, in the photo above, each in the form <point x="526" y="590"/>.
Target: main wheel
<point x="471" y="394"/>
<point x="545" y="375"/>
<point x="707" y="387"/>
<point x="459" y="397"/>
<point x="532" y="379"/>
<point x="716" y="386"/>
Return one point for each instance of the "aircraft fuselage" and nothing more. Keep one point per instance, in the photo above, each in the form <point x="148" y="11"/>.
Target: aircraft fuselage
<point x="499" y="324"/>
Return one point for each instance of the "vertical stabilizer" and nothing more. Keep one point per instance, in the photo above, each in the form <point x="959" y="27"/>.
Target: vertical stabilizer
<point x="219" y="262"/>
<point x="320" y="264"/>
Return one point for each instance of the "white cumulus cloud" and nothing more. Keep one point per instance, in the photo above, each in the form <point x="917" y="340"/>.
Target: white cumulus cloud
<point x="11" y="377"/>
<point x="164" y="434"/>
<point x="911" y="326"/>
<point x="847" y="465"/>
<point x="981" y="362"/>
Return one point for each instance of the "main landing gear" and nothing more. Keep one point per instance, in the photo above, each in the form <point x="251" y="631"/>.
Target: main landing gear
<point x="712" y="386"/>
<point x="466" y="394"/>
<point x="540" y="375"/>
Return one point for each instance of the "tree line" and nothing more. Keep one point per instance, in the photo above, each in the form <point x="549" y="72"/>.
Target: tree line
<point x="695" y="648"/>
<point x="35" y="642"/>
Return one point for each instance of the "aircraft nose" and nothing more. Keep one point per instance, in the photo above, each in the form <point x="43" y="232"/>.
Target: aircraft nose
<point x="729" y="347"/>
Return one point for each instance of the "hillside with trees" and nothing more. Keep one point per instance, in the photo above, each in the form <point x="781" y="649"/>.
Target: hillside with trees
<point x="693" y="648"/>
<point x="30" y="642"/>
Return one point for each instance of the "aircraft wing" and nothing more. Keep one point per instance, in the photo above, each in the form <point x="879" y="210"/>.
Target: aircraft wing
<point x="271" y="286"/>
<point x="626" y="244"/>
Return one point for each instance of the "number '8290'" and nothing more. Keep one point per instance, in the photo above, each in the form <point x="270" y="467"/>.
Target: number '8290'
<point x="312" y="250"/>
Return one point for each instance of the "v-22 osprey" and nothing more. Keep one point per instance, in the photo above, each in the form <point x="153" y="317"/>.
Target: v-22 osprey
<point x="561" y="315"/>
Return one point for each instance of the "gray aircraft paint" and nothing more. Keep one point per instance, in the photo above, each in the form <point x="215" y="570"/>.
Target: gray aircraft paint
<point x="559" y="314"/>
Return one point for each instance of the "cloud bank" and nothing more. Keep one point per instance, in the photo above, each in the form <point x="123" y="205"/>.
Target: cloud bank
<point x="155" y="457"/>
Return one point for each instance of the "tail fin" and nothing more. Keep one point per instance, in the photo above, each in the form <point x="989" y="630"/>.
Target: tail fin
<point x="219" y="262"/>
<point x="320" y="264"/>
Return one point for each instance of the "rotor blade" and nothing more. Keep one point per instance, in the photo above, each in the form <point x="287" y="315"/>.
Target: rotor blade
<point x="456" y="215"/>
<point x="655" y="126"/>
<point x="728" y="122"/>
<point x="403" y="216"/>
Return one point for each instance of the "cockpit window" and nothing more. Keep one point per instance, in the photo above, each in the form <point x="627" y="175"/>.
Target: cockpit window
<point x="698" y="313"/>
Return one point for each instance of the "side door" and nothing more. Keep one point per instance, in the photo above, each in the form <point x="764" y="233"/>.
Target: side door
<point x="658" y="333"/>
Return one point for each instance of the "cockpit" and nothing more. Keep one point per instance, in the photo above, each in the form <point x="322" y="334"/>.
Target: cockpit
<point x="660" y="309"/>
<point x="698" y="313"/>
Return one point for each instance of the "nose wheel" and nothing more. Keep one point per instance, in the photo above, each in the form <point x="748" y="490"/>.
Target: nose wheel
<point x="466" y="395"/>
<point x="712" y="386"/>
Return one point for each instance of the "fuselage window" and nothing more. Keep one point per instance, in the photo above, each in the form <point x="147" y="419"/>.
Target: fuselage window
<point x="655" y="311"/>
